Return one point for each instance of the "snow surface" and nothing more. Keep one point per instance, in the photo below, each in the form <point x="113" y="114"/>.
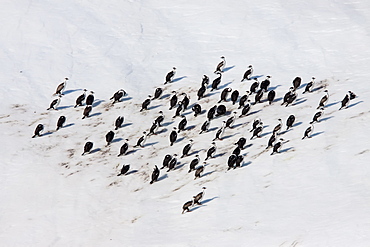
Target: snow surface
<point x="314" y="193"/>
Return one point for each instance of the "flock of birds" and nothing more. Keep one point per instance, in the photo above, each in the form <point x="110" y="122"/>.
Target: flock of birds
<point x="257" y="89"/>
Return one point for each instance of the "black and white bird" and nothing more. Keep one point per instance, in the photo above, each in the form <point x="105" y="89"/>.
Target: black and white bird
<point x="231" y="161"/>
<point x="258" y="96"/>
<point x="211" y="112"/>
<point x="221" y="65"/>
<point x="173" y="100"/>
<point x="80" y="99"/>
<point x="309" y="86"/>
<point x="254" y="86"/>
<point x="297" y="82"/>
<point x="246" y="109"/>
<point x="205" y="80"/>
<point x="55" y="103"/>
<point x="271" y="96"/>
<point x="278" y="127"/>
<point x="173" y="136"/>
<point x="118" y="123"/>
<point x="211" y="151"/>
<point x="237" y="151"/>
<point x="117" y="96"/>
<point x="194" y="163"/>
<point x="61" y="87"/>
<point x="87" y="147"/>
<point x="123" y="149"/>
<point x="38" y="130"/>
<point x="160" y="118"/>
<point x="271" y="141"/>
<point x="185" y="101"/>
<point x="172" y="163"/>
<point x="170" y="75"/>
<point x="124" y="170"/>
<point x="109" y="137"/>
<point x="230" y="121"/>
<point x="90" y="98"/>
<point x="324" y="99"/>
<point x="352" y="95"/>
<point x="234" y="96"/>
<point x="345" y="102"/>
<point x="248" y="73"/>
<point x="182" y="124"/>
<point x="186" y="206"/>
<point x="198" y="198"/>
<point x="238" y="162"/>
<point x="265" y="83"/>
<point x="288" y="95"/>
<point x="141" y="141"/>
<point x="204" y="127"/>
<point x="221" y="110"/>
<point x="290" y="121"/>
<point x="308" y="132"/>
<point x="216" y="82"/>
<point x="224" y="94"/>
<point x="186" y="149"/>
<point x="277" y="146"/>
<point x="87" y="111"/>
<point x="201" y="91"/>
<point x="179" y="109"/>
<point x="198" y="171"/>
<point x="157" y="93"/>
<point x="146" y="103"/>
<point x="258" y="130"/>
<point x="292" y="97"/>
<point x="317" y="116"/>
<point x="243" y="99"/>
<point x="60" y="122"/>
<point x="255" y="124"/>
<point x="241" y="142"/>
<point x="220" y="132"/>
<point x="197" y="109"/>
<point x="155" y="174"/>
<point x="166" y="160"/>
<point x="153" y="129"/>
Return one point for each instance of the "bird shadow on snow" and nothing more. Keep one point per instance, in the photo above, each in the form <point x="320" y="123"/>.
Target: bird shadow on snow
<point x="207" y="173"/>
<point x="203" y="203"/>
<point x="165" y="96"/>
<point x="285" y="150"/>
<point x="334" y="103"/>
<point x="317" y="133"/>
<point x="125" y="125"/>
<point x="168" y="123"/>
<point x="228" y="136"/>
<point x="47" y="133"/>
<point x="117" y="140"/>
<point x="246" y="164"/>
<point x="228" y="68"/>
<point x="68" y="125"/>
<point x="153" y="107"/>
<point x="162" y="177"/>
<point x="71" y="91"/>
<point x="179" y="78"/>
<point x="194" y="153"/>
<point x="151" y="144"/>
<point x="224" y="85"/>
<point x="274" y="88"/>
<point x="131" y="172"/>
<point x="354" y="104"/>
<point x="125" y="99"/>
<point x="300" y="101"/>
<point x="97" y="102"/>
<point x="131" y="151"/>
<point x="324" y="119"/>
<point x="65" y="107"/>
<point x="212" y="129"/>
<point x="219" y="155"/>
<point x="95" y="150"/>
<point x="255" y="77"/>
<point x="95" y="114"/>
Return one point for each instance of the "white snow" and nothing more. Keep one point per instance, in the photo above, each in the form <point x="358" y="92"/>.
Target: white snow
<point x="314" y="193"/>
